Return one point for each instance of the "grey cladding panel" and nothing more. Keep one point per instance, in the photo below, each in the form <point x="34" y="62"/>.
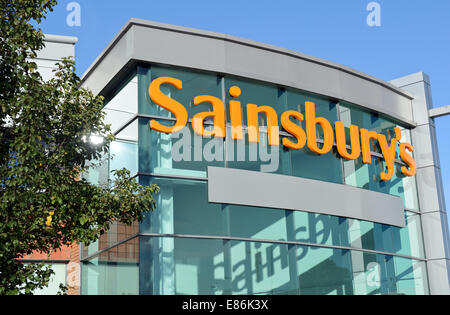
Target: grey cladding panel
<point x="258" y="189"/>
<point x="151" y="42"/>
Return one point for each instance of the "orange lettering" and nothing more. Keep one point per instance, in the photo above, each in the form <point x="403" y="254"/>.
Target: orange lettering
<point x="366" y="136"/>
<point x="293" y="129"/>
<point x="253" y="123"/>
<point x="311" y="122"/>
<point x="408" y="159"/>
<point x="218" y="113"/>
<point x="389" y="153"/>
<point x="342" y="144"/>
<point x="166" y="102"/>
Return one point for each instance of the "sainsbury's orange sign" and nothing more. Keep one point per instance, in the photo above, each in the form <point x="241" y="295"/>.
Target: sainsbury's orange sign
<point x="360" y="138"/>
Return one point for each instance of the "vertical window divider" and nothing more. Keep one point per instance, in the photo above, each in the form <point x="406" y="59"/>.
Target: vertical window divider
<point x="224" y="100"/>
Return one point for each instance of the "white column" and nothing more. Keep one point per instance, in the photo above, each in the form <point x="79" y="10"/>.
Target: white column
<point x="429" y="183"/>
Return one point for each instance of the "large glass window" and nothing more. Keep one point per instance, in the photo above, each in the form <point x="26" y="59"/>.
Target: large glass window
<point x="190" y="246"/>
<point x="195" y="266"/>
<point x="114" y="272"/>
<point x="261" y="268"/>
<point x="257" y="223"/>
<point x="405" y="241"/>
<point x="183" y="153"/>
<point x="319" y="229"/>
<point x="57" y="279"/>
<point x="123" y="104"/>
<point x="182" y="208"/>
<point x="324" y="271"/>
<point x="124" y="154"/>
<point x="183" y="266"/>
<point x="411" y="276"/>
<point x="367" y="176"/>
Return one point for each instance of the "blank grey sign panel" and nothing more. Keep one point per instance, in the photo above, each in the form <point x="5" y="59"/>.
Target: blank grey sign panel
<point x="240" y="187"/>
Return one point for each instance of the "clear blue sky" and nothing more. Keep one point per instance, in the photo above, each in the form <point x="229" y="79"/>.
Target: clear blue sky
<point x="414" y="35"/>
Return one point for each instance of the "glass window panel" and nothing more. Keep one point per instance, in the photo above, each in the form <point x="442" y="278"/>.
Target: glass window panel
<point x="114" y="272"/>
<point x="123" y="154"/>
<point x="258" y="223"/>
<point x="182" y="208"/>
<point x="194" y="84"/>
<point x="199" y="267"/>
<point x="130" y="132"/>
<point x="367" y="176"/>
<point x="183" y="266"/>
<point x="405" y="188"/>
<point x="411" y="237"/>
<point x="324" y="271"/>
<point x="123" y="105"/>
<point x="369" y="235"/>
<point x="405" y="241"/>
<point x="353" y="115"/>
<point x="57" y="279"/>
<point x="408" y="240"/>
<point x="411" y="277"/>
<point x="183" y="153"/>
<point x="374" y="274"/>
<point x="327" y="167"/>
<point x="257" y="93"/>
<point x="116" y="233"/>
<point x="261" y="268"/>
<point x="319" y="229"/>
<point x="259" y="157"/>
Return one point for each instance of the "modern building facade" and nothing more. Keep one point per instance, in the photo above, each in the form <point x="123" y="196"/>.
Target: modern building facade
<point x="239" y="213"/>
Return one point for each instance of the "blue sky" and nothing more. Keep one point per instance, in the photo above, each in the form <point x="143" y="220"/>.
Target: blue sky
<point x="414" y="35"/>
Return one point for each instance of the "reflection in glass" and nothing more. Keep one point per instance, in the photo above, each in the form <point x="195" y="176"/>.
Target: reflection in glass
<point x="319" y="229"/>
<point x="324" y="271"/>
<point x="114" y="272"/>
<point x="183" y="266"/>
<point x="183" y="153"/>
<point x="182" y="208"/>
<point x="257" y="223"/>
<point x="258" y="157"/>
<point x="383" y="274"/>
<point x="367" y="176"/>
<point x="261" y="268"/>
<point x="405" y="241"/>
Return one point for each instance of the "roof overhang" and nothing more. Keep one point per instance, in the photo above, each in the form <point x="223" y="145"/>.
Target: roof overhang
<point x="146" y="42"/>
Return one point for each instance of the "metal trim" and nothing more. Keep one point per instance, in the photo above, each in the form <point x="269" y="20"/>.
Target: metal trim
<point x="244" y="239"/>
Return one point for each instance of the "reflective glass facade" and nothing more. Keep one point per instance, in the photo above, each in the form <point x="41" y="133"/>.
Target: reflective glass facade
<point x="190" y="246"/>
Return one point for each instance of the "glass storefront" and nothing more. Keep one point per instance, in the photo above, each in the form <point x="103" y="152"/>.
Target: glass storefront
<point x="190" y="246"/>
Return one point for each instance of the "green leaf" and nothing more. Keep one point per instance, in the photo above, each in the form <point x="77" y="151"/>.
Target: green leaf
<point x="42" y="152"/>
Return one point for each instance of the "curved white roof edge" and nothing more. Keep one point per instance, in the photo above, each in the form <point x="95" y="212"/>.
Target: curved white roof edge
<point x="60" y="39"/>
<point x="153" y="42"/>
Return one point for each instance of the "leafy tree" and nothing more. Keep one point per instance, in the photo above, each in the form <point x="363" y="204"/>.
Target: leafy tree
<point x="44" y="127"/>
